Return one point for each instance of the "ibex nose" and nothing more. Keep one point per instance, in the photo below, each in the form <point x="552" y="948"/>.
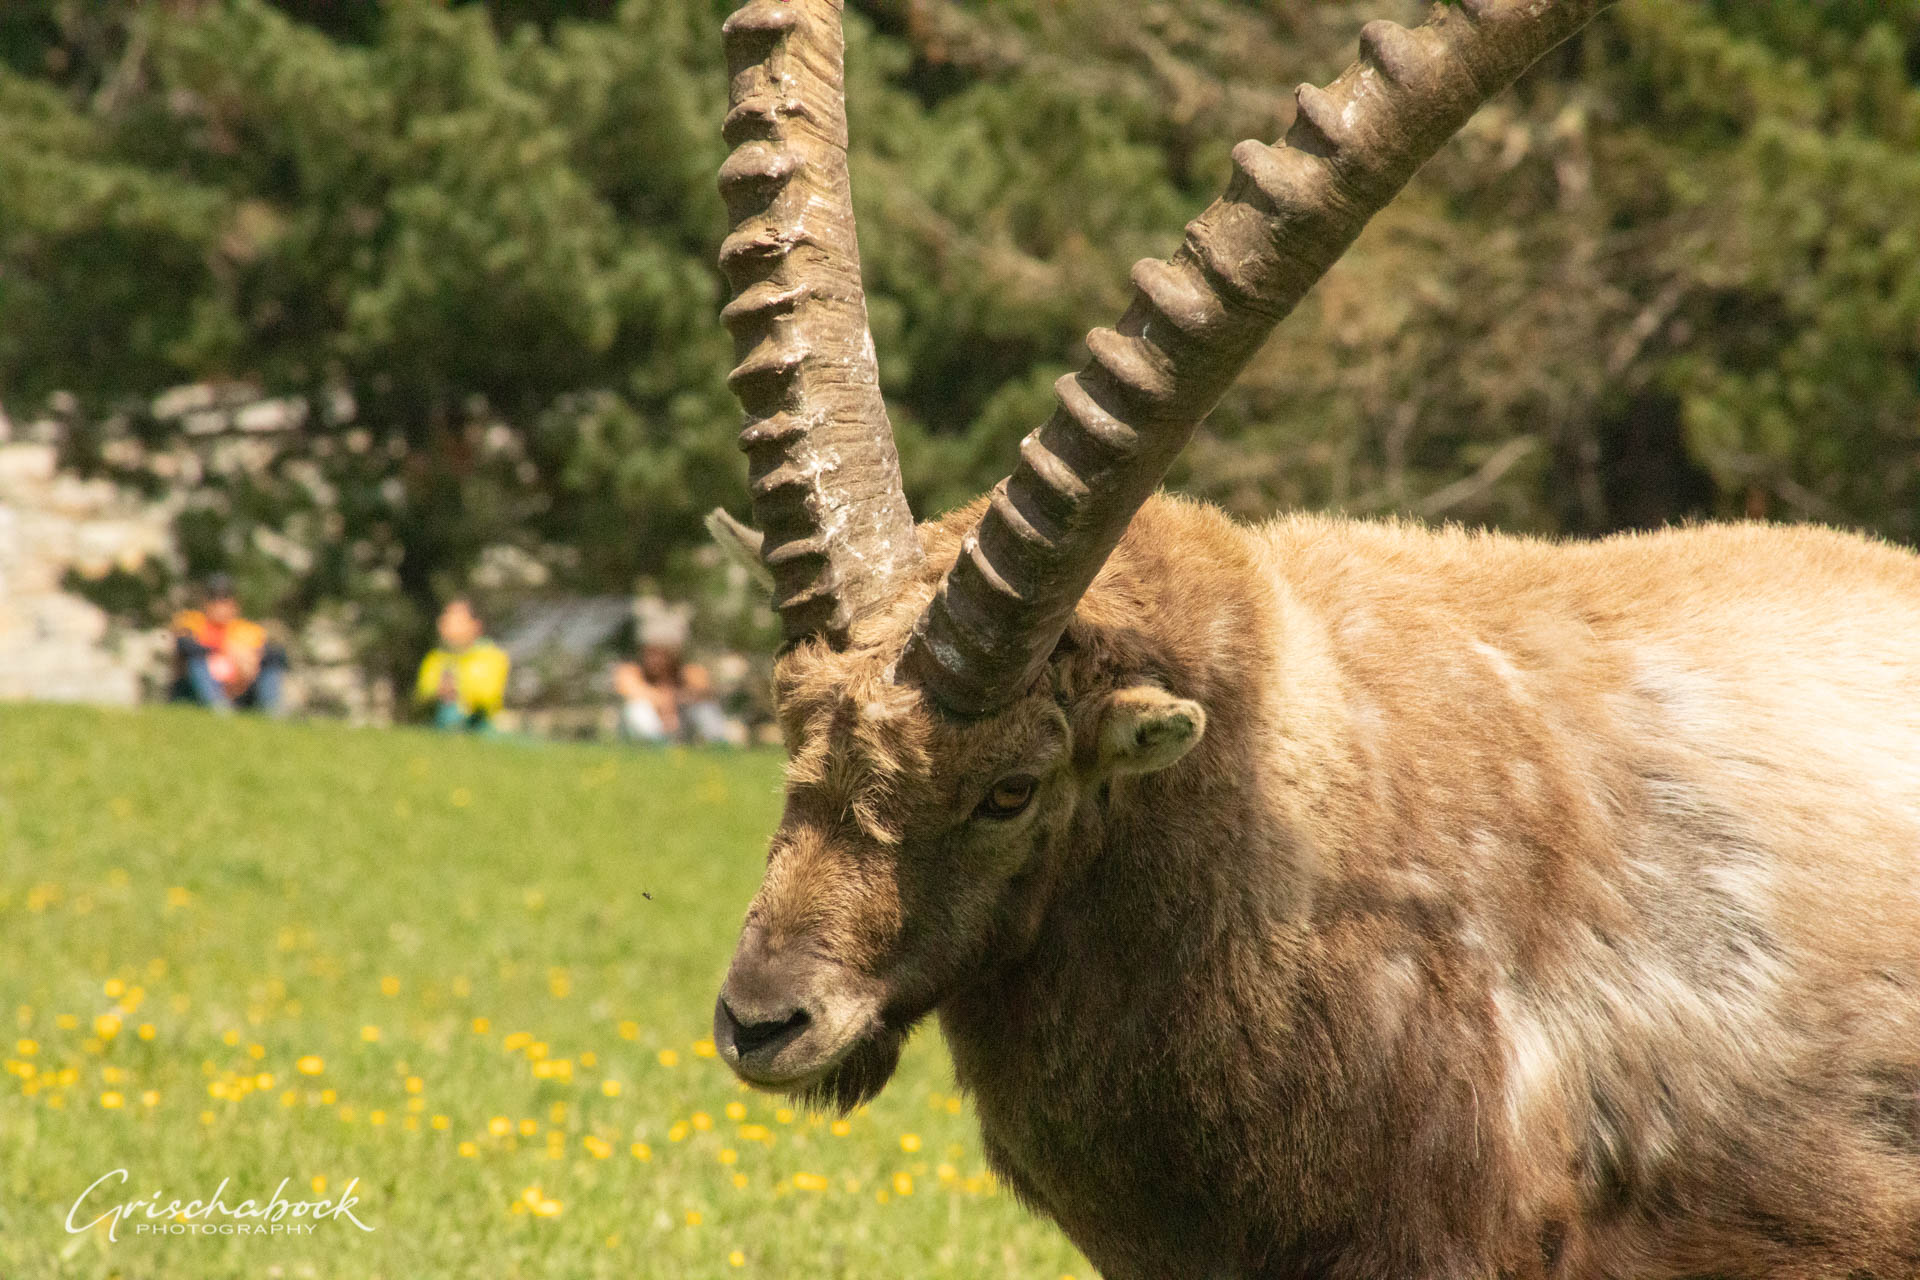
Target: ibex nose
<point x="765" y="1004"/>
<point x="745" y="1032"/>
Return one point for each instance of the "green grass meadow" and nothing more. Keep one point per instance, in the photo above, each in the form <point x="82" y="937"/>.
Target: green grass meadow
<point x="473" y="975"/>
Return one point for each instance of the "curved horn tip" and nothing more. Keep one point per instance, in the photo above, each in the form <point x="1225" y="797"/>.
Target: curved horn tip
<point x="1249" y="259"/>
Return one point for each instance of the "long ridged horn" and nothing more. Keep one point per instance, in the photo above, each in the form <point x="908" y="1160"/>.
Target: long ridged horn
<point x="1288" y="214"/>
<point x="824" y="473"/>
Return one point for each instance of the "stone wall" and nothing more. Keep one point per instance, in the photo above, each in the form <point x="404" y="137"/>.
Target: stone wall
<point x="55" y="646"/>
<point x="58" y="646"/>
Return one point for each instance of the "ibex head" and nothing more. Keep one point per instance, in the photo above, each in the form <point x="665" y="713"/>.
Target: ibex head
<point x="952" y="697"/>
<point x="918" y="847"/>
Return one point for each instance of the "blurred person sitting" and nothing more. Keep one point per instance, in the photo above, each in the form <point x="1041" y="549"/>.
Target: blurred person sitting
<point x="465" y="679"/>
<point x="222" y="660"/>
<point x="664" y="698"/>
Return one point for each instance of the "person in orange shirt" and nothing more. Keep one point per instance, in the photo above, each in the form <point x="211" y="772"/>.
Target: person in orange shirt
<point x="222" y="660"/>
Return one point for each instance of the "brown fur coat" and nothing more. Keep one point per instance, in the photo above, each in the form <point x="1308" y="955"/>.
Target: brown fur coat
<point x="1383" y="902"/>
<point x="1527" y="910"/>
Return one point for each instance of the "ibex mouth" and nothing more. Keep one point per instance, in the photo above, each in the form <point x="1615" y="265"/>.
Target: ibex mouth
<point x="833" y="1062"/>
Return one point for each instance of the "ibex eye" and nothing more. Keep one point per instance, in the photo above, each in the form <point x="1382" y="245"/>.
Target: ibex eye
<point x="1009" y="797"/>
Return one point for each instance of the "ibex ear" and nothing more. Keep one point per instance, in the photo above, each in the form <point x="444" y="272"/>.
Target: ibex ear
<point x="1144" y="728"/>
<point x="740" y="544"/>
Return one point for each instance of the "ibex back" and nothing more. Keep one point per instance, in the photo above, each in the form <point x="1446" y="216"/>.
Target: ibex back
<point x="1323" y="899"/>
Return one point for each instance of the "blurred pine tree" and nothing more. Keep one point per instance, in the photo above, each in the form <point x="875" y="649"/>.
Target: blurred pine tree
<point x="1672" y="275"/>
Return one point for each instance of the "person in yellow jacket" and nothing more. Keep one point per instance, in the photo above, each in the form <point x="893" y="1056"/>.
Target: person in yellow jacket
<point x="465" y="679"/>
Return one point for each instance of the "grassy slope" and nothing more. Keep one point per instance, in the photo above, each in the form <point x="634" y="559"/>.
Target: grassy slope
<point x="257" y="894"/>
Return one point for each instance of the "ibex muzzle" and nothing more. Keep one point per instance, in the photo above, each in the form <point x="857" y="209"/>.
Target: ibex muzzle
<point x="784" y="1015"/>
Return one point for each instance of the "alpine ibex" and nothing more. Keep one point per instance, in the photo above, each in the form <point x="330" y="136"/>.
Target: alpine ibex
<point x="1322" y="899"/>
